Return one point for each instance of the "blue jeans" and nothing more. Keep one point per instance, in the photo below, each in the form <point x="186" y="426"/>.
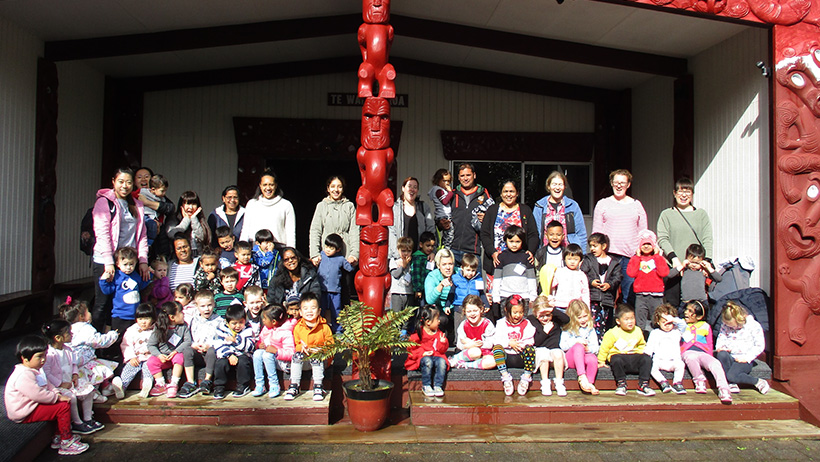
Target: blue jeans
<point x="262" y="360"/>
<point x="433" y="362"/>
<point x="627" y="296"/>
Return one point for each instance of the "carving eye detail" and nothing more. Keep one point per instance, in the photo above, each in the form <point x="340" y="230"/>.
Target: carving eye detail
<point x="798" y="80"/>
<point x="813" y="192"/>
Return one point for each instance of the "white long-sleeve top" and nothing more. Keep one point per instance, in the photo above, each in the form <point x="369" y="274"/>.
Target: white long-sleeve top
<point x="524" y="332"/>
<point x="665" y="345"/>
<point x="135" y="343"/>
<point x="275" y="214"/>
<point x="585" y="335"/>
<point x="745" y="344"/>
<point x="487" y="335"/>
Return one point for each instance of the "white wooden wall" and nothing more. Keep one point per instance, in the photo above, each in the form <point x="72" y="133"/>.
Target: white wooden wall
<point x="18" y="88"/>
<point x="188" y="134"/>
<point x="79" y="154"/>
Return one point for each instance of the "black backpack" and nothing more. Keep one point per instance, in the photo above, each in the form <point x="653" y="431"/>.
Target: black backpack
<point x="87" y="238"/>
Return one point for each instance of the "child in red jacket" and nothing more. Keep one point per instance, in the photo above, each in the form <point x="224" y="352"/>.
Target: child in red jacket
<point x="648" y="267"/>
<point x="429" y="355"/>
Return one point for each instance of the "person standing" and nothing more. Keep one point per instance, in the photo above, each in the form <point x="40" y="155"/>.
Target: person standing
<point x="468" y="206"/>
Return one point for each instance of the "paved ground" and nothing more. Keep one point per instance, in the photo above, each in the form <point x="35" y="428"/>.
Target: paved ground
<point x="712" y="451"/>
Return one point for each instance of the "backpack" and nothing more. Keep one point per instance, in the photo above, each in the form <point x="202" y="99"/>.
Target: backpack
<point x="87" y="238"/>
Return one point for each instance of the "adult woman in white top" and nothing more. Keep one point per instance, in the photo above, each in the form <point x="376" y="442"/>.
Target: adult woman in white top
<point x="269" y="210"/>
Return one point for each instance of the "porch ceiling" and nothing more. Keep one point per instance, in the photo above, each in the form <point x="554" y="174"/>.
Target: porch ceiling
<point x="576" y="28"/>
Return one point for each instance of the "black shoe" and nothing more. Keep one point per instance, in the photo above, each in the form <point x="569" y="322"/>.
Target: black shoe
<point x="206" y="386"/>
<point x="241" y="390"/>
<point x="187" y="390"/>
<point x="219" y="392"/>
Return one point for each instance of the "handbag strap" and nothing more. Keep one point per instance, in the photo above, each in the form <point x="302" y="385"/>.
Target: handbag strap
<point x="690" y="226"/>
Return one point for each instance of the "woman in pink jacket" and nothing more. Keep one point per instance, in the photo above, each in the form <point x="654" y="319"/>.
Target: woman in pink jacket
<point x="117" y="223"/>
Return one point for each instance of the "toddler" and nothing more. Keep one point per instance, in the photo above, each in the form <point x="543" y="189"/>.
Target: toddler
<point x="184" y="295"/>
<point x="292" y="307"/>
<point x="474" y="336"/>
<point x="441" y="194"/>
<point x="664" y="348"/>
<point x="579" y="342"/>
<point x="648" y="268"/>
<point x="696" y="351"/>
<point x="158" y="186"/>
<point x="61" y="371"/>
<point x="623" y="348"/>
<point x="30" y="398"/>
<point x="203" y="338"/>
<point x="604" y="275"/>
<point x="170" y="347"/>
<point x="225" y="239"/>
<point x="85" y="340"/>
<point x="429" y="356"/>
<point x="248" y="272"/>
<point x="739" y="343"/>
<point x="310" y="333"/>
<point x="135" y="351"/>
<point x="401" y="286"/>
<point x="570" y="282"/>
<point x="547" y="342"/>
<point x="207" y="273"/>
<point x="466" y="282"/>
<point x="330" y="275"/>
<point x="274" y="349"/>
<point x="229" y="295"/>
<point x="254" y="302"/>
<point x="234" y="346"/>
<point x="125" y="288"/>
<point x="161" y="287"/>
<point x="265" y="256"/>
<point x="694" y="271"/>
<point x="514" y="337"/>
<point x="422" y="262"/>
<point x="514" y="274"/>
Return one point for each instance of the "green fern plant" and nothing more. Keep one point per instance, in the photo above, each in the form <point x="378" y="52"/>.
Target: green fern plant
<point x="364" y="333"/>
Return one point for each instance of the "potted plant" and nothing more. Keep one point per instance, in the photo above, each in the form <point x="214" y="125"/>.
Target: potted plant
<point x="363" y="334"/>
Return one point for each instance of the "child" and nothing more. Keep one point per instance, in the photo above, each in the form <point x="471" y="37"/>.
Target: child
<point x="696" y="351"/>
<point x="229" y="295"/>
<point x="514" y="274"/>
<point x="430" y="354"/>
<point x="134" y="347"/>
<point x="623" y="348"/>
<point x="203" y="339"/>
<point x="514" y="337"/>
<point x="570" y="282"/>
<point x="694" y="271"/>
<point x="85" y="340"/>
<point x="474" y="336"/>
<point x="158" y="186"/>
<point x="292" y="307"/>
<point x="580" y="344"/>
<point x="466" y="282"/>
<point x="739" y="343"/>
<point x="61" y="371"/>
<point x="161" y="287"/>
<point x="648" y="268"/>
<point x="664" y="348"/>
<point x="225" y="239"/>
<point x="604" y="275"/>
<point x="30" y="398"/>
<point x="401" y="286"/>
<point x="422" y="262"/>
<point x="234" y="346"/>
<point x="274" y="349"/>
<point x="309" y="334"/>
<point x="170" y="347"/>
<point x="552" y="254"/>
<point x="207" y="273"/>
<point x="330" y="276"/>
<point x="254" y="301"/>
<point x="441" y="194"/>
<point x="248" y="271"/>
<point x="125" y="288"/>
<point x="547" y="342"/>
<point x="265" y="256"/>
<point x="184" y="295"/>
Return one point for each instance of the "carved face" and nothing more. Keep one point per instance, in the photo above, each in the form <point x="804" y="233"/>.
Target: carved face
<point x="797" y="224"/>
<point x="376" y="123"/>
<point x="801" y="75"/>
<point x="373" y="250"/>
<point x="376" y="11"/>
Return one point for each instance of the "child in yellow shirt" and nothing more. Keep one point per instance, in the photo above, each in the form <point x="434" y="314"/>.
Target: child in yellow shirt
<point x="622" y="347"/>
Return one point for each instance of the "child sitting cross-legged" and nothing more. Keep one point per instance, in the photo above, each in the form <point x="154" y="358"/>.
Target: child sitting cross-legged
<point x="664" y="348"/>
<point x="429" y="355"/>
<point x="274" y="349"/>
<point x="309" y="334"/>
<point x="547" y="341"/>
<point x="623" y="348"/>
<point x="474" y="337"/>
<point x="234" y="346"/>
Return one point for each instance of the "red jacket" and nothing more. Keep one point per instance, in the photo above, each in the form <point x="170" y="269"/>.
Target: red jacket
<point x="437" y="343"/>
<point x="648" y="271"/>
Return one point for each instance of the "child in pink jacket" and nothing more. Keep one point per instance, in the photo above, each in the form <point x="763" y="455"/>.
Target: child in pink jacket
<point x="274" y="349"/>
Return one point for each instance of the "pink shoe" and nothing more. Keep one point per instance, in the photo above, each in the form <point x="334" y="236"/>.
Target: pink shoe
<point x="171" y="391"/>
<point x="157" y="390"/>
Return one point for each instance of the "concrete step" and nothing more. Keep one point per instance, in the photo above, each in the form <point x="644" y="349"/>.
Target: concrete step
<point x="494" y="408"/>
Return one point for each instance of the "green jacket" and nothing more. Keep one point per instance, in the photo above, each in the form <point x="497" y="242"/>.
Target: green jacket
<point x="334" y="217"/>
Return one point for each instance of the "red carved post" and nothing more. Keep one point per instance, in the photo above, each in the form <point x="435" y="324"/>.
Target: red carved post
<point x="375" y="159"/>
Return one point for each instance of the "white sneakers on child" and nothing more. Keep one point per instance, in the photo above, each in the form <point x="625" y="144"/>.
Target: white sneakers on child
<point x="524" y="384"/>
<point x="762" y="386"/>
<point x="560" y="389"/>
<point x="147" y="385"/>
<point x="546" y="387"/>
<point x="116" y="384"/>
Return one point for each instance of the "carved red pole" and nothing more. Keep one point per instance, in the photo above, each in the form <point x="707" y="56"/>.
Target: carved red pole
<point x="375" y="158"/>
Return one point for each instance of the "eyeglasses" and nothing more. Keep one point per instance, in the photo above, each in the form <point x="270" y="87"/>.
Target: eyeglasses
<point x="290" y="258"/>
<point x="619" y="183"/>
<point x="684" y="192"/>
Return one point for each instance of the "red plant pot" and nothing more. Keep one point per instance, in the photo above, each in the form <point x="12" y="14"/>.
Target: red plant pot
<point x="368" y="409"/>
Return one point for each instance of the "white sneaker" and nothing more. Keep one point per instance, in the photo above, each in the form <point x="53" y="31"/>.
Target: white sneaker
<point x="438" y="391"/>
<point x="734" y="388"/>
<point x="116" y="384"/>
<point x="99" y="398"/>
<point x="762" y="386"/>
<point x="524" y="384"/>
<point x="147" y="385"/>
<point x="428" y="391"/>
<point x="546" y="388"/>
<point x="560" y="389"/>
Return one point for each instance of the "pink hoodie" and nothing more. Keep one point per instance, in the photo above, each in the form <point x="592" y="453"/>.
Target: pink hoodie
<point x="281" y="337"/>
<point x="53" y="369"/>
<point x="107" y="229"/>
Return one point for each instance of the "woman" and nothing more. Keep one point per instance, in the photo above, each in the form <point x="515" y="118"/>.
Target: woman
<point x="621" y="218"/>
<point x="182" y="269"/>
<point x="229" y="214"/>
<point x="334" y="214"/>
<point x="295" y="275"/>
<point x="679" y="227"/>
<point x="142" y="178"/>
<point x="498" y="218"/>
<point x="556" y="206"/>
<point x="438" y="287"/>
<point x="269" y="210"/>
<point x="117" y="223"/>
<point x="411" y="217"/>
<point x="190" y="222"/>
